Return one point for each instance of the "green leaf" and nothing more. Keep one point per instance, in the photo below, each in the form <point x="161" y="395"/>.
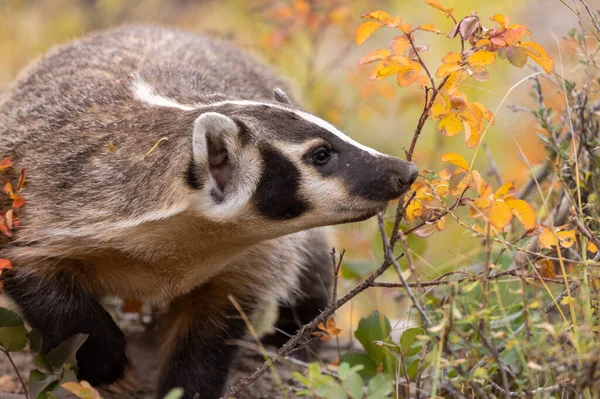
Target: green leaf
<point x="12" y="331"/>
<point x="39" y="382"/>
<point x="379" y="387"/>
<point x="376" y="327"/>
<point x="13" y="339"/>
<point x="8" y="318"/>
<point x="407" y="341"/>
<point x="175" y="393"/>
<point x="334" y="391"/>
<point x="66" y="351"/>
<point x="357" y="269"/>
<point x="42" y="363"/>
<point x="516" y="56"/>
<point x="354" y="359"/>
<point x="301" y="378"/>
<point x="353" y="384"/>
<point x="35" y="341"/>
<point x="413" y="369"/>
<point x="304" y="392"/>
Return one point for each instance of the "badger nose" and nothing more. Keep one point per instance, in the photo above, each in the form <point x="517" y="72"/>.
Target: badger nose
<point x="407" y="174"/>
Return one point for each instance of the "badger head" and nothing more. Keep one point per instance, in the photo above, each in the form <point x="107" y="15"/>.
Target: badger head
<point x="281" y="169"/>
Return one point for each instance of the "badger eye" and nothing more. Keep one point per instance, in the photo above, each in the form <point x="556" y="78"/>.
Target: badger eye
<point x="321" y="156"/>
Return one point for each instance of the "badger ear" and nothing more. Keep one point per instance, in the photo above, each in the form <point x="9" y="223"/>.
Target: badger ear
<point x="215" y="138"/>
<point x="282" y="97"/>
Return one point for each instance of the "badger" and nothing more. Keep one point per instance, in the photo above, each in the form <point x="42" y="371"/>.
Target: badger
<point x="173" y="168"/>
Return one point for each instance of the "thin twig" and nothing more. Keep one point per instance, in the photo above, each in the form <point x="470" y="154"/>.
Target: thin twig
<point x="14" y="366"/>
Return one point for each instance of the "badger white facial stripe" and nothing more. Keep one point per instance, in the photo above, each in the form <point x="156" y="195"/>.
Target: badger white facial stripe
<point x="309" y="118"/>
<point x="146" y="94"/>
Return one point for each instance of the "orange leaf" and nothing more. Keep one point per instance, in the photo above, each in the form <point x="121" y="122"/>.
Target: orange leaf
<point x="422" y="81"/>
<point x="455" y="159"/>
<point x="537" y="53"/>
<point x="545" y="268"/>
<point x="5" y="163"/>
<point x="513" y="35"/>
<point x="4" y="229"/>
<point x="373" y="56"/>
<point x="450" y="125"/>
<point x="547" y="239"/>
<point x="481" y="58"/>
<point x="524" y="212"/>
<point x="18" y="201"/>
<point x="22" y="180"/>
<point x="5" y="264"/>
<point x="8" y="189"/>
<point x="365" y="30"/>
<point x="500" y="215"/>
<point x="592" y="247"/>
<point x="430" y="28"/>
<point x="400" y="44"/>
<point x="436" y="4"/>
<point x="408" y="75"/>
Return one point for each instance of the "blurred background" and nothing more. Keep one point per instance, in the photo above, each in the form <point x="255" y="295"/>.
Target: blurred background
<point x="311" y="43"/>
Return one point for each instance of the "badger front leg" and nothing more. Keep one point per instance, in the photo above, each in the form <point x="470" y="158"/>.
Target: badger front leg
<point x="58" y="308"/>
<point x="197" y="356"/>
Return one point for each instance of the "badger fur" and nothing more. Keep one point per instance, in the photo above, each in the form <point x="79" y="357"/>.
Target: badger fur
<point x="222" y="207"/>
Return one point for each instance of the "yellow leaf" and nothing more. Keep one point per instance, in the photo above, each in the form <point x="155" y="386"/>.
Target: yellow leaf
<point x="408" y="75"/>
<point x="547" y="239"/>
<point x="446" y="69"/>
<point x="413" y="210"/>
<point x="539" y="55"/>
<point x="592" y="247"/>
<point x="501" y="19"/>
<point x="487" y="114"/>
<point x="436" y="4"/>
<point x="455" y="159"/>
<point x="500" y="215"/>
<point x="381" y="16"/>
<point x="452" y="58"/>
<point x="373" y="56"/>
<point x="430" y="28"/>
<point x="451" y="124"/>
<point x="505" y="190"/>
<point x="438" y="111"/>
<point x="483" y="43"/>
<point x="481" y="58"/>
<point x="524" y="212"/>
<point x="404" y="28"/>
<point x="566" y="238"/>
<point x="400" y="44"/>
<point x="382" y="71"/>
<point x="472" y="135"/>
<point x="454" y="81"/>
<point x="365" y="30"/>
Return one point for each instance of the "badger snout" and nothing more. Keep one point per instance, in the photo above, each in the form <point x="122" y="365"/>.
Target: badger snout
<point x="405" y="175"/>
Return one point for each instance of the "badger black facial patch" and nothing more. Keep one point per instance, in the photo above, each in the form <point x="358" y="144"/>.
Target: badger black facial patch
<point x="277" y="195"/>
